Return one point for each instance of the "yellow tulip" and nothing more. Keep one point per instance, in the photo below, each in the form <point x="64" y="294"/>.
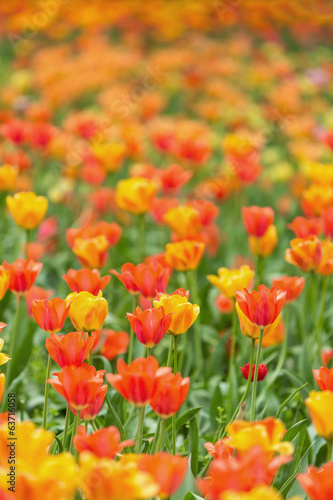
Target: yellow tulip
<point x="8" y="175"/>
<point x="183" y="220"/>
<point x="184" y="255"/>
<point x="27" y="209"/>
<point x="229" y="281"/>
<point x="184" y="313"/>
<point x="87" y="311"/>
<point x="2" y="385"/>
<point x="320" y="406"/>
<point x="135" y="195"/>
<point x="4" y="281"/>
<point x="257" y="493"/>
<point x="3" y="357"/>
<point x="265" y="245"/>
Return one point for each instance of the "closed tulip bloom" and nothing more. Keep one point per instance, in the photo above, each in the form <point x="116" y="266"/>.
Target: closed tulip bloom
<point x="169" y="394"/>
<point x="50" y="315"/>
<point x="149" y="325"/>
<point x="305" y="253"/>
<point x="136" y="381"/>
<point x="78" y="385"/>
<point x="112" y="232"/>
<point x="267" y="434"/>
<point x="86" y="280"/>
<point x="2" y="385"/>
<point x="320" y="406"/>
<point x="325" y="267"/>
<point x="169" y="471"/>
<point x="135" y="195"/>
<point x="257" y="220"/>
<point x="8" y="175"/>
<point x="147" y="278"/>
<point x="70" y="349"/>
<point x="92" y="410"/>
<point x="324" y="378"/>
<point x="261" y="373"/>
<point x="317" y="483"/>
<point x="22" y="274"/>
<point x="263" y="306"/>
<point x="103" y="443"/>
<point x="117" y="480"/>
<point x="184" y="313"/>
<point x="4" y="281"/>
<point x="293" y="285"/>
<point x="228" y="281"/>
<point x="184" y="255"/>
<point x="183" y="220"/>
<point x="87" y="312"/>
<point x="327" y="218"/>
<point x="92" y="252"/>
<point x="264" y="245"/>
<point x="115" y="343"/>
<point x="27" y="209"/>
<point x="304" y="227"/>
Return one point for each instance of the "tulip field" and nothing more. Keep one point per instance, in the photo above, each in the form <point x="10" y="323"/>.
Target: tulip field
<point x="166" y="250"/>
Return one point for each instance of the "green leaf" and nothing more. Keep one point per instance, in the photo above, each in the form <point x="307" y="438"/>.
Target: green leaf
<point x="192" y="496"/>
<point x="185" y="418"/>
<point x="289" y="398"/>
<point x="22" y="353"/>
<point x="194" y="435"/>
<point x="216" y="402"/>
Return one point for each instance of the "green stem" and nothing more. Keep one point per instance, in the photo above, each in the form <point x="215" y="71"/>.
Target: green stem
<point x="139" y="432"/>
<point x="13" y="336"/>
<point x="142" y="230"/>
<point x="160" y="436"/>
<point x="64" y="437"/>
<point x="329" y="450"/>
<point x="148" y="352"/>
<point x="90" y="355"/>
<point x="192" y="275"/>
<point x="259" y="270"/>
<point x="93" y="425"/>
<point x="132" y="336"/>
<point x="255" y="380"/>
<point x="74" y="431"/>
<point x="322" y="303"/>
<point x="317" y="332"/>
<point x="170" y="351"/>
<point x="175" y="353"/>
<point x="284" y="346"/>
<point x="174" y="416"/>
<point x="46" y="396"/>
<point x="231" y="365"/>
<point x="28" y="238"/>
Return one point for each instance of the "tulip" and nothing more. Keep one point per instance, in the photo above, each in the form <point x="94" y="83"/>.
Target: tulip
<point x="184" y="255"/>
<point x="327" y="217"/>
<point x="116" y="480"/>
<point x="220" y="450"/>
<point x="94" y="407"/>
<point x="149" y="325"/>
<point x="3" y="357"/>
<point x="147" y="279"/>
<point x="2" y="385"/>
<point x="304" y="227"/>
<point x="324" y="378"/>
<point x="293" y="285"/>
<point x="168" y="471"/>
<point x="78" y="385"/>
<point x="87" y="312"/>
<point x="27" y="209"/>
<point x="264" y="245"/>
<point x="92" y="252"/>
<point x="50" y="315"/>
<point x="36" y="293"/>
<point x="263" y="306"/>
<point x="8" y="175"/>
<point x="325" y="267"/>
<point x="115" y="343"/>
<point x="229" y="281"/>
<point x="223" y="304"/>
<point x="70" y="349"/>
<point x="316" y="199"/>
<point x="262" y="372"/>
<point x="262" y="492"/>
<point x="184" y="313"/>
<point x="183" y="220"/>
<point x="267" y="434"/>
<point x="169" y="394"/>
<point x="135" y="195"/>
<point x="305" y="253"/>
<point x="4" y="281"/>
<point x="22" y="274"/>
<point x="86" y="280"/>
<point x="112" y="232"/>
<point x="326" y="356"/>
<point x="103" y="443"/>
<point x="173" y="178"/>
<point x="257" y="220"/>
<point x="317" y="483"/>
<point x="320" y="406"/>
<point x="136" y="381"/>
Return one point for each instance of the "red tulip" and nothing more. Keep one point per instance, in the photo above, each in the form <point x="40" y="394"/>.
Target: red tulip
<point x="304" y="227"/>
<point x="263" y="306"/>
<point x="69" y="350"/>
<point x="50" y="315"/>
<point x="169" y="394"/>
<point x="317" y="483"/>
<point x="327" y="217"/>
<point x="149" y="325"/>
<point x="104" y="443"/>
<point x="257" y="220"/>
<point x="115" y="343"/>
<point x="324" y="378"/>
<point x="293" y="285"/>
<point x="23" y="274"/>
<point x="262" y="371"/>
<point x="146" y="279"/>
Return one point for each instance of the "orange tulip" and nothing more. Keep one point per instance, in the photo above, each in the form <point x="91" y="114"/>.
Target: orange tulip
<point x="22" y="274"/>
<point x="325" y="267"/>
<point x="149" y="325"/>
<point x="4" y="281"/>
<point x="221" y="449"/>
<point x="147" y="279"/>
<point x="293" y="285"/>
<point x="92" y="252"/>
<point x="183" y="220"/>
<point x="87" y="312"/>
<point x="50" y="315"/>
<point x="86" y="280"/>
<point x="257" y="220"/>
<point x="28" y="209"/>
<point x="115" y="343"/>
<point x="324" y="378"/>
<point x="317" y="483"/>
<point x="112" y="232"/>
<point x="91" y="411"/>
<point x="38" y="293"/>
<point x="70" y="349"/>
<point x="169" y="394"/>
<point x="263" y="306"/>
<point x="135" y="195"/>
<point x="305" y="253"/>
<point x="168" y="471"/>
<point x="264" y="245"/>
<point x="304" y="227"/>
<point x="184" y="255"/>
<point x="136" y="381"/>
<point x="103" y="443"/>
<point x="78" y="385"/>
